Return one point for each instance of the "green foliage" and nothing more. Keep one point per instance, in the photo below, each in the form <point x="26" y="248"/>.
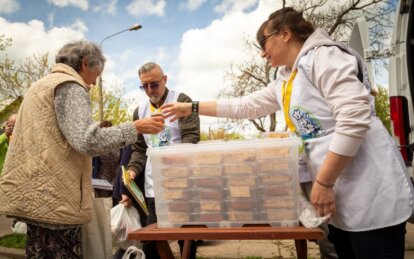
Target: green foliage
<point x="115" y="108"/>
<point x="382" y="107"/>
<point x="4" y="42"/>
<point x="13" y="241"/>
<point x="17" y="77"/>
<point x="219" y="134"/>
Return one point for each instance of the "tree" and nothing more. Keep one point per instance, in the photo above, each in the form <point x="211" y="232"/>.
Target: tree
<point x="115" y="107"/>
<point x="17" y="77"/>
<point x="336" y="17"/>
<point x="255" y="75"/>
<point x="382" y="107"/>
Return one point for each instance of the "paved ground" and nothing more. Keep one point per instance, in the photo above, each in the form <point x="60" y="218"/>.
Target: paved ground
<point x="228" y="249"/>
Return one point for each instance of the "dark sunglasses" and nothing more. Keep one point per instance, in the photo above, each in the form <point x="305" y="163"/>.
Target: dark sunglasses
<point x="264" y="38"/>
<point x="152" y="85"/>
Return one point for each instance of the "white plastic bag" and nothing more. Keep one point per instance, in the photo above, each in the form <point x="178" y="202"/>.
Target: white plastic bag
<point x="96" y="234"/>
<point x="19" y="228"/>
<point x="308" y="216"/>
<point x="123" y="221"/>
<point x="133" y="250"/>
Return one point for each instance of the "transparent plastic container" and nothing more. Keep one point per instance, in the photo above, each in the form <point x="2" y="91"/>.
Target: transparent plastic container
<point x="227" y="184"/>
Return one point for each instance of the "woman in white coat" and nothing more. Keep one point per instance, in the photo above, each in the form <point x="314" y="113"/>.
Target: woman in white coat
<point x="358" y="173"/>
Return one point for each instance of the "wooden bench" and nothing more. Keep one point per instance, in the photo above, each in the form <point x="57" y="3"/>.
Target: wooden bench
<point x="253" y="232"/>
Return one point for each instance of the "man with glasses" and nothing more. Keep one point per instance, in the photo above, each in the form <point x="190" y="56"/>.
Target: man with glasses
<point x="184" y="130"/>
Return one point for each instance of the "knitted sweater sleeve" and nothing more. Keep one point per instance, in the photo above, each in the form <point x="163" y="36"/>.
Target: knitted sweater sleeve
<point x="74" y="117"/>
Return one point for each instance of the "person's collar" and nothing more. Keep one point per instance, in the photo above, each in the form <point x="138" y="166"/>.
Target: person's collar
<point x="164" y="96"/>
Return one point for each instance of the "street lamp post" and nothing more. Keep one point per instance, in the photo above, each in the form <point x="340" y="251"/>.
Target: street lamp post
<point x="100" y="91"/>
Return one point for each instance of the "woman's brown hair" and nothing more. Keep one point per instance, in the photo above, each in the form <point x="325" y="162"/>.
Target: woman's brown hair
<point x="290" y="18"/>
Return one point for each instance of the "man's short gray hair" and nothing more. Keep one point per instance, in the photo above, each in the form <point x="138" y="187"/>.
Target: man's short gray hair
<point x="72" y="54"/>
<point x="148" y="67"/>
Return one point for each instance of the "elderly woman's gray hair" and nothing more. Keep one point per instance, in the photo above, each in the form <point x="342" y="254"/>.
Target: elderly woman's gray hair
<point x="72" y="54"/>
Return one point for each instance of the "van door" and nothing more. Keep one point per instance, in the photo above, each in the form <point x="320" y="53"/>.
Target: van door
<point x="359" y="42"/>
<point x="401" y="87"/>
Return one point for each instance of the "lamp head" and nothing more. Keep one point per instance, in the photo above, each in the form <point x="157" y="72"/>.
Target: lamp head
<point x="135" y="27"/>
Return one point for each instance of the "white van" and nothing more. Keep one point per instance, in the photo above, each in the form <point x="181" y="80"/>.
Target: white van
<point x="401" y="79"/>
<point x="401" y="74"/>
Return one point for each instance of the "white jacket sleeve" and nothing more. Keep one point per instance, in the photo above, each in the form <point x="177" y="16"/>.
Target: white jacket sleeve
<point x="252" y="106"/>
<point x="347" y="97"/>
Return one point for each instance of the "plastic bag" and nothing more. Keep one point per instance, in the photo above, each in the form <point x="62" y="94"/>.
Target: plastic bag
<point x="308" y="216"/>
<point x="133" y="250"/>
<point x="123" y="221"/>
<point x="19" y="228"/>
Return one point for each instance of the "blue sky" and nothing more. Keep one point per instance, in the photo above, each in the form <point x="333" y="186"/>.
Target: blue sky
<point x="195" y="41"/>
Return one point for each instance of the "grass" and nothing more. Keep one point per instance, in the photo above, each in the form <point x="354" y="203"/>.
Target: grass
<point x="13" y="241"/>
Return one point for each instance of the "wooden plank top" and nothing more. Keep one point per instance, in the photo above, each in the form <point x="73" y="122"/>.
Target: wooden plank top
<point x="152" y="232"/>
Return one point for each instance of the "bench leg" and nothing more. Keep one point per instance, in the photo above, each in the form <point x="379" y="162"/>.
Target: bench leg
<point x="186" y="249"/>
<point x="164" y="249"/>
<point x="301" y="249"/>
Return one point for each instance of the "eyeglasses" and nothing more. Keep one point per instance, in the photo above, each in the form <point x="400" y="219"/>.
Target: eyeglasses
<point x="264" y="38"/>
<point x="152" y="85"/>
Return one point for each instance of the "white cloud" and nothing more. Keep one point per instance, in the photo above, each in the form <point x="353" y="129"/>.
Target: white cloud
<point x="79" y="25"/>
<point x="82" y="4"/>
<point x="140" y="8"/>
<point x="206" y="54"/>
<point x="9" y="6"/>
<point x="32" y="38"/>
<point x="234" y="5"/>
<point x="192" y="5"/>
<point x="106" y="7"/>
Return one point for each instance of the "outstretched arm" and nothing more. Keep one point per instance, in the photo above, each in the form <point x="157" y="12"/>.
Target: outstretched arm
<point x="178" y="110"/>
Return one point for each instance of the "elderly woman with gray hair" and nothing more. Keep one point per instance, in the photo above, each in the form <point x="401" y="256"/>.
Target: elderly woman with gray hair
<point x="46" y="178"/>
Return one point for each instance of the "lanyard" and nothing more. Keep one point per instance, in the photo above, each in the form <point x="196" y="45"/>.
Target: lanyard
<point x="153" y="109"/>
<point x="286" y="94"/>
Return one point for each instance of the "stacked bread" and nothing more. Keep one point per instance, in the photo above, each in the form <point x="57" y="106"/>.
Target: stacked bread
<point x="227" y="186"/>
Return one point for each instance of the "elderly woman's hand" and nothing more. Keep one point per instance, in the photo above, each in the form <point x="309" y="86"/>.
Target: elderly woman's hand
<point x="151" y="125"/>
